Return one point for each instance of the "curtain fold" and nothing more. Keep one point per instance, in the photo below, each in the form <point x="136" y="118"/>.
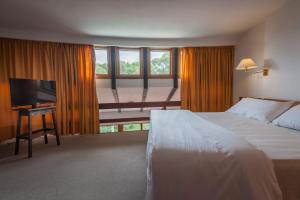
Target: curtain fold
<point x="207" y="77"/>
<point x="71" y="65"/>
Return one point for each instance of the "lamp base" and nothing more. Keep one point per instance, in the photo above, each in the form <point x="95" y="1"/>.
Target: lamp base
<point x="264" y="71"/>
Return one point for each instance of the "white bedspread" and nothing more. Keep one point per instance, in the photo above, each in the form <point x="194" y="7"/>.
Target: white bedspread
<point x="277" y="142"/>
<point x="190" y="158"/>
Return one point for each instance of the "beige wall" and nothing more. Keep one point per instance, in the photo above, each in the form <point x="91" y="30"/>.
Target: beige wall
<point x="274" y="43"/>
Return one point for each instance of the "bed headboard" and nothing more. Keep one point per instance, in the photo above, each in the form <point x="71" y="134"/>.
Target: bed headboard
<point x="280" y="100"/>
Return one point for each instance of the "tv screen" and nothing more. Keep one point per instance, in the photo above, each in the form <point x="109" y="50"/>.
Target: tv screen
<point x="31" y="92"/>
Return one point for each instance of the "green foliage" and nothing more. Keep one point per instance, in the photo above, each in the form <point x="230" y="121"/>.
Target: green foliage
<point x="108" y="129"/>
<point x="101" y="68"/>
<point x="129" y="68"/>
<point x="146" y="126"/>
<point x="113" y="128"/>
<point x="132" y="127"/>
<point x="161" y="65"/>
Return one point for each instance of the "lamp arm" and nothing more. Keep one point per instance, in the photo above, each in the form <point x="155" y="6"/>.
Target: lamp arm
<point x="264" y="71"/>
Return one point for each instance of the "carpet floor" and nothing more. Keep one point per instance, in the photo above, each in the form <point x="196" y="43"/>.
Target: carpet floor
<point x="99" y="167"/>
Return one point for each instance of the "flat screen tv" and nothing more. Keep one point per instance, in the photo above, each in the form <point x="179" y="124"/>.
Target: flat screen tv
<point x="32" y="92"/>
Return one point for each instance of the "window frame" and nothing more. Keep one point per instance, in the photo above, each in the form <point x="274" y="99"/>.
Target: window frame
<point x="161" y="76"/>
<point x="108" y="75"/>
<point x="142" y="125"/>
<point x="118" y="67"/>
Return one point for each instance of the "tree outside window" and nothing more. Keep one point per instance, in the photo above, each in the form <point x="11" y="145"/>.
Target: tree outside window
<point x="108" y="128"/>
<point x="160" y="62"/>
<point x="129" y="62"/>
<point x="132" y="127"/>
<point x="101" y="62"/>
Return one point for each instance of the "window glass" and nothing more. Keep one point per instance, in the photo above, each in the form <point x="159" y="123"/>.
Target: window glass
<point x="108" y="128"/>
<point x="160" y="62"/>
<point x="132" y="127"/>
<point x="146" y="126"/>
<point x="129" y="62"/>
<point x="101" y="61"/>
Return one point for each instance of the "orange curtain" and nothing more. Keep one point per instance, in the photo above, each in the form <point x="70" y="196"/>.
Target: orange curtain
<point x="206" y="84"/>
<point x="71" y="65"/>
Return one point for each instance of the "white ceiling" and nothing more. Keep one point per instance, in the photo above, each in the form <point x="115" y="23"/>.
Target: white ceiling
<point x="133" y="19"/>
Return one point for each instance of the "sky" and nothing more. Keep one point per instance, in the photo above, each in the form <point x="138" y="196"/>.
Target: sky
<point x="101" y="56"/>
<point x="157" y="54"/>
<point x="129" y="56"/>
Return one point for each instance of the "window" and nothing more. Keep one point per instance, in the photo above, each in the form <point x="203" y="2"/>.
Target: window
<point x="127" y="127"/>
<point x="102" y="68"/>
<point x="160" y="63"/>
<point x="109" y="128"/>
<point x="132" y="127"/>
<point x="129" y="62"/>
<point x="146" y="126"/>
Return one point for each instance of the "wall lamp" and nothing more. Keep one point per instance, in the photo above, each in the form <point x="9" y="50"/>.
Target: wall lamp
<point x="247" y="64"/>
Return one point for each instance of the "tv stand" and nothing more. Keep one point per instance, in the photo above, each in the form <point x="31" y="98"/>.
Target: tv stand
<point x="29" y="112"/>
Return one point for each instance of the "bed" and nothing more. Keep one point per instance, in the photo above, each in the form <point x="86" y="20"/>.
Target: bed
<point x="182" y="164"/>
<point x="282" y="146"/>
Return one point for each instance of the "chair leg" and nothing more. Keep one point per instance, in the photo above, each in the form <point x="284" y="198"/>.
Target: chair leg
<point x="29" y="137"/>
<point x="55" y="128"/>
<point x="18" y="134"/>
<point x="45" y="129"/>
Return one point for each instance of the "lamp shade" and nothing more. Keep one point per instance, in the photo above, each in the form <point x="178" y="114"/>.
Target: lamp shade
<point x="246" y="64"/>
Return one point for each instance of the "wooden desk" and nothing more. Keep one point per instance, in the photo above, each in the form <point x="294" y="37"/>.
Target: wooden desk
<point x="23" y="112"/>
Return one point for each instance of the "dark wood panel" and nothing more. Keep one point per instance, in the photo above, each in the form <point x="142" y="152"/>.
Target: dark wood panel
<point x="136" y="119"/>
<point x="172" y="92"/>
<point x="139" y="104"/>
<point x="145" y="91"/>
<point x="145" y="66"/>
<point x="175" y="65"/>
<point x="113" y="67"/>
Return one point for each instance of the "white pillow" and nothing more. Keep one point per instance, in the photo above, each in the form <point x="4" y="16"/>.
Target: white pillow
<point x="262" y="110"/>
<point x="289" y="119"/>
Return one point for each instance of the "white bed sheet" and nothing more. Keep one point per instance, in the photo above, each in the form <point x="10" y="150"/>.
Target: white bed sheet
<point x="192" y="158"/>
<point x="277" y="142"/>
